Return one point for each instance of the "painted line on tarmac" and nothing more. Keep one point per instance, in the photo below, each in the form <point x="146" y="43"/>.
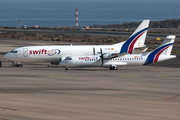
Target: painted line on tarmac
<point x="144" y="75"/>
<point x="54" y="76"/>
<point x="142" y="97"/>
<point x="173" y="97"/>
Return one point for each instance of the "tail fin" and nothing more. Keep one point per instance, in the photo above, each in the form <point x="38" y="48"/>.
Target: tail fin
<point x="164" y="49"/>
<point x="137" y="39"/>
<point x="168" y="41"/>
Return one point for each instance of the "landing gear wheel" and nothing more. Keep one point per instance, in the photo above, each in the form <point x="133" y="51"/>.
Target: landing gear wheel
<point x="66" y="68"/>
<point x="20" y="65"/>
<point x="113" y="68"/>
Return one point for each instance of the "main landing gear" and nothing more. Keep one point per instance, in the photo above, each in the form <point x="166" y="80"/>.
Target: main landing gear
<point x="16" y="64"/>
<point x="113" y="67"/>
<point x="66" y="68"/>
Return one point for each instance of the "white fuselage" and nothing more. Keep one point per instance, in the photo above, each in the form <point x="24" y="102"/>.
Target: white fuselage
<point x="55" y="54"/>
<point x="96" y="61"/>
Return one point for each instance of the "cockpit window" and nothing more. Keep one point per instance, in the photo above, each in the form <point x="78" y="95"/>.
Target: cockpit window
<point x="13" y="51"/>
<point x="68" y="58"/>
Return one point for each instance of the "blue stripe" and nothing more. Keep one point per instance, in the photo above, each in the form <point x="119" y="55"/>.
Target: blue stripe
<point x="152" y="55"/>
<point x="125" y="46"/>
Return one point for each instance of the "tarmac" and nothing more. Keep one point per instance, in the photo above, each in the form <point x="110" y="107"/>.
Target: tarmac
<point x="38" y="92"/>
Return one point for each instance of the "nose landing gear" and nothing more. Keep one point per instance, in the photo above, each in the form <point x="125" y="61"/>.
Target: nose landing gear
<point x="16" y="64"/>
<point x="66" y="68"/>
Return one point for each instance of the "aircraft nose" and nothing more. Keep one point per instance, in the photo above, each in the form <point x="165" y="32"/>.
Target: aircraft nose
<point x="62" y="63"/>
<point x="7" y="56"/>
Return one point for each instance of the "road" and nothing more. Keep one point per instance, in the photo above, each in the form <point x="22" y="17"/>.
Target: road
<point x="89" y="32"/>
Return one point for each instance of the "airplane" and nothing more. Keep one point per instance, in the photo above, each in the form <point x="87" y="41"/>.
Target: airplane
<point x="55" y="54"/>
<point x="161" y="53"/>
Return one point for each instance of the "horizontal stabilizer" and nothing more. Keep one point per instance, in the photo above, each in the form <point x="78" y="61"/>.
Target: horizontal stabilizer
<point x="139" y="50"/>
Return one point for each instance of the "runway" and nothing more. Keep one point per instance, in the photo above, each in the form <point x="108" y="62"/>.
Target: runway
<point x="38" y="92"/>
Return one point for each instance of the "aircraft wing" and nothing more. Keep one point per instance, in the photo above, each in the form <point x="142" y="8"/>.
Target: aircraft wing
<point x="114" y="64"/>
<point x="114" y="55"/>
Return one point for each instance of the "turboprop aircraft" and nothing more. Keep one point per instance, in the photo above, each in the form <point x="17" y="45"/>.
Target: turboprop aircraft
<point x="55" y="54"/>
<point x="163" y="52"/>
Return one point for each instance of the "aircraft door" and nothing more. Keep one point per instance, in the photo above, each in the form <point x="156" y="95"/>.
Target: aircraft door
<point x="25" y="52"/>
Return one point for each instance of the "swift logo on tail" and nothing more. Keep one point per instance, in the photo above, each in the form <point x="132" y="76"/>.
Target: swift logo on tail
<point x="154" y="56"/>
<point x="129" y="44"/>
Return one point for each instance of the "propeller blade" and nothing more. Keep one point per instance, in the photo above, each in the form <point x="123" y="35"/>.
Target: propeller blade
<point x="102" y="57"/>
<point x="93" y="51"/>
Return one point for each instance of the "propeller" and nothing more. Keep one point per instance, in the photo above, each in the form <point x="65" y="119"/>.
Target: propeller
<point x="102" y="56"/>
<point x="93" y="51"/>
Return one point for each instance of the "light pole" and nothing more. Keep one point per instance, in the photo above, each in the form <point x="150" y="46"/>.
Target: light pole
<point x="97" y="21"/>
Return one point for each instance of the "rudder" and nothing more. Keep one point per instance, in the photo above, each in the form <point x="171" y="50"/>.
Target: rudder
<point x="164" y="49"/>
<point x="137" y="39"/>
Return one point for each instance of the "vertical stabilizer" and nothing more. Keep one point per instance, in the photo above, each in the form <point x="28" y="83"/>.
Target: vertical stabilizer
<point x="137" y="39"/>
<point x="168" y="41"/>
<point x="164" y="50"/>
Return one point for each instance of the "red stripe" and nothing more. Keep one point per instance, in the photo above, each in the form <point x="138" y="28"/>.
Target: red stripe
<point x="134" y="41"/>
<point x="173" y="97"/>
<point x="158" y="54"/>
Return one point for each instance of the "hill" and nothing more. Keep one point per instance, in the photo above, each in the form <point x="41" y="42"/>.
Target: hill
<point x="153" y="24"/>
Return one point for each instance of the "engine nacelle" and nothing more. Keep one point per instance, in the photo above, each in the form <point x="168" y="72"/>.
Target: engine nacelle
<point x="58" y="61"/>
<point x="107" y="55"/>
